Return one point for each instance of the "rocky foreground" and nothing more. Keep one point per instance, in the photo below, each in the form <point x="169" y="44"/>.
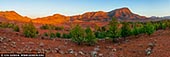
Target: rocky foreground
<point x="156" y="45"/>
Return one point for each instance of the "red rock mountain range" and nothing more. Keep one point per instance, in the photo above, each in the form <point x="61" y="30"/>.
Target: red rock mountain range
<point x="99" y="16"/>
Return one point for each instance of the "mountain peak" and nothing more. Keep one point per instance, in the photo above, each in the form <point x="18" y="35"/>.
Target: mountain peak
<point x="124" y="13"/>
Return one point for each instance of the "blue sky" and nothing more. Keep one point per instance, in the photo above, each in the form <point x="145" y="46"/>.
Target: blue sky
<point x="40" y="8"/>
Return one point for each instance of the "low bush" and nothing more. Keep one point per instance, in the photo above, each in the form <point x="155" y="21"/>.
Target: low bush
<point x="90" y="38"/>
<point x="16" y="28"/>
<point x="58" y="35"/>
<point x="29" y="30"/>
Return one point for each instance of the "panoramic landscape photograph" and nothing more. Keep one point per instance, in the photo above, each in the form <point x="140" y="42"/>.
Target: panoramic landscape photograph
<point x="84" y="28"/>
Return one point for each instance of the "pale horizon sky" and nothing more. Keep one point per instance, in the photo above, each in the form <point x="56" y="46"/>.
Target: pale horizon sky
<point x="42" y="8"/>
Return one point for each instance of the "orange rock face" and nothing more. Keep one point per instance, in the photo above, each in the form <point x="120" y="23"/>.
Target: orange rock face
<point x="12" y="15"/>
<point x="100" y="16"/>
<point x="55" y="19"/>
<point x="92" y="16"/>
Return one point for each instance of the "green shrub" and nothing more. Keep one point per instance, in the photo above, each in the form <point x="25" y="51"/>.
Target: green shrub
<point x="58" y="35"/>
<point x="51" y="27"/>
<point x="48" y="26"/>
<point x="114" y="31"/>
<point x="52" y="35"/>
<point x="149" y="28"/>
<point x="100" y="35"/>
<point x="78" y="34"/>
<point x="90" y="37"/>
<point x="59" y="28"/>
<point x="162" y="25"/>
<point x="126" y="30"/>
<point x="29" y="30"/>
<point x="16" y="28"/>
<point x="66" y="35"/>
<point x="45" y="34"/>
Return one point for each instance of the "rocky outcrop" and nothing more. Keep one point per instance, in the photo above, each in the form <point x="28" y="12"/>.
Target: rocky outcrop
<point x="124" y="13"/>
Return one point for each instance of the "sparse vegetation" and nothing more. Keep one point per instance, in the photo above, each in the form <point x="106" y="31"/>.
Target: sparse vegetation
<point x="58" y="35"/>
<point x="64" y="35"/>
<point x="125" y="30"/>
<point x="149" y="28"/>
<point x="114" y="31"/>
<point x="52" y="35"/>
<point x="90" y="37"/>
<point x="78" y="34"/>
<point x="16" y="28"/>
<point x="29" y="30"/>
<point x="51" y="27"/>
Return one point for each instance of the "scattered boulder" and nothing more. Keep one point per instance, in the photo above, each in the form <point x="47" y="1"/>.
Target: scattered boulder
<point x="57" y="50"/>
<point x="101" y="55"/>
<point x="41" y="44"/>
<point x="81" y="52"/>
<point x="70" y="51"/>
<point x="114" y="50"/>
<point x="148" y="51"/>
<point x="13" y="43"/>
<point x="94" y="54"/>
<point x="97" y="49"/>
<point x="1" y="39"/>
<point x="61" y="52"/>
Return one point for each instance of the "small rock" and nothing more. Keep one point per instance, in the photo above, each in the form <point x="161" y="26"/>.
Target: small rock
<point x="151" y="45"/>
<point x="100" y="55"/>
<point x="94" y="54"/>
<point x="41" y="44"/>
<point x="31" y="43"/>
<point x="108" y="47"/>
<point x="65" y="43"/>
<point x="1" y="39"/>
<point x="148" y="51"/>
<point x="61" y="52"/>
<point x="114" y="50"/>
<point x="70" y="51"/>
<point x="13" y="43"/>
<point x="96" y="49"/>
<point x="76" y="54"/>
<point x="81" y="52"/>
<point x="57" y="50"/>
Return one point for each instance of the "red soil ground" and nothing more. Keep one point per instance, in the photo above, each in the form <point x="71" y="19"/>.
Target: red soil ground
<point x="134" y="47"/>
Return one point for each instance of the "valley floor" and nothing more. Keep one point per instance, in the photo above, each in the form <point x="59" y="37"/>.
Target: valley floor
<point x="133" y="47"/>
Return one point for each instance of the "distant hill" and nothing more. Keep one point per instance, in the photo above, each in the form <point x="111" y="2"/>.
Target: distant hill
<point x="12" y="15"/>
<point x="99" y="16"/>
<point x="164" y="17"/>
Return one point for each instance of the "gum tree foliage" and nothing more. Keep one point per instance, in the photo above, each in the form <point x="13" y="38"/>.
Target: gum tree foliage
<point x="114" y="31"/>
<point x="149" y="28"/>
<point x="90" y="37"/>
<point x="100" y="32"/>
<point x="78" y="34"/>
<point x="29" y="30"/>
<point x="126" y="30"/>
